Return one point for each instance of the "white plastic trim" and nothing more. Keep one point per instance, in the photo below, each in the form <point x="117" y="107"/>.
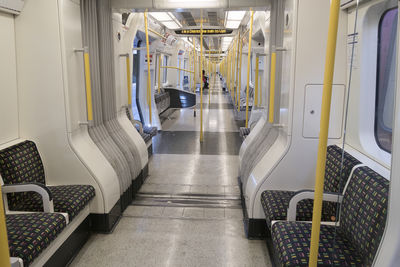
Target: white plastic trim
<point x="16" y="262"/>
<point x="291" y="213"/>
<point x="47" y="203"/>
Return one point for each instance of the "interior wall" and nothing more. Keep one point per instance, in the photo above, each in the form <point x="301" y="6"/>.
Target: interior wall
<point x="8" y="77"/>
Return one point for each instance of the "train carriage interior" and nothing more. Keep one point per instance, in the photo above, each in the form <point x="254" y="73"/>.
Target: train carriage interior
<point x="199" y="133"/>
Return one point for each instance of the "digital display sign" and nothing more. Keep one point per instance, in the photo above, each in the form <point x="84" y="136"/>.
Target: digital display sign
<point x="205" y="31"/>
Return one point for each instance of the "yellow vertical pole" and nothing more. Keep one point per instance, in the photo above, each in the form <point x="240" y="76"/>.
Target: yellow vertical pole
<point x="209" y="82"/>
<point x="159" y="73"/>
<point x="272" y="88"/>
<point x="237" y="68"/>
<point x="201" y="82"/>
<point x="228" y="81"/>
<point x="324" y="127"/>
<point x="4" y="250"/>
<point x="256" y="83"/>
<point x="240" y="75"/>
<point x="231" y="68"/>
<point x="248" y="70"/>
<point x="148" y="65"/>
<point x="128" y="80"/>
<point x="194" y="64"/>
<point x="88" y="84"/>
<point x="179" y="72"/>
<point x="260" y="89"/>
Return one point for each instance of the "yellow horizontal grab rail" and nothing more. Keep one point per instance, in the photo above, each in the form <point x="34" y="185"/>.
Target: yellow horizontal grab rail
<point x="156" y="33"/>
<point x="176" y="68"/>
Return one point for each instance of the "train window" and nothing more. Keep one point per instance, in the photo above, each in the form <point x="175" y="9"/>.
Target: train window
<point x="165" y="63"/>
<point x="386" y="79"/>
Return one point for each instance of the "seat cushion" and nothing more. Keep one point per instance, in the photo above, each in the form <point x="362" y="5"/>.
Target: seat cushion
<point x="152" y="131"/>
<point x="66" y="198"/>
<point x="30" y="234"/>
<point x="275" y="204"/>
<point x="291" y="241"/>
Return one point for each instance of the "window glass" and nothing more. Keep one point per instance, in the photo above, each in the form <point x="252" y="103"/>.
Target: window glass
<point x="135" y="79"/>
<point x="165" y="63"/>
<point x="386" y="79"/>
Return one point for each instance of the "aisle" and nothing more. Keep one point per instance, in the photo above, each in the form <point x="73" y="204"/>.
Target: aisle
<point x="188" y="212"/>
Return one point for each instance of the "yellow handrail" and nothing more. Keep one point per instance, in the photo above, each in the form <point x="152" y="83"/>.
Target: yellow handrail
<point x="209" y="83"/>
<point x="256" y="83"/>
<point x="128" y="80"/>
<point x="237" y="67"/>
<point x="324" y="128"/>
<point x="88" y="83"/>
<point x="260" y="89"/>
<point x="272" y="89"/>
<point x="176" y="68"/>
<point x="156" y="33"/>
<point x="179" y="71"/>
<point x="148" y="65"/>
<point x="248" y="70"/>
<point x="159" y="73"/>
<point x="194" y="65"/>
<point x="201" y="82"/>
<point x="240" y="75"/>
<point x="4" y="250"/>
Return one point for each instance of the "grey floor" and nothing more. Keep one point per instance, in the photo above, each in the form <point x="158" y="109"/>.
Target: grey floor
<point x="188" y="211"/>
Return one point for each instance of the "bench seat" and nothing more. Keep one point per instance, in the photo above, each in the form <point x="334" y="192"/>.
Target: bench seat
<point x="355" y="241"/>
<point x="67" y="198"/>
<point x="21" y="163"/>
<point x="275" y="203"/>
<point x="30" y="234"/>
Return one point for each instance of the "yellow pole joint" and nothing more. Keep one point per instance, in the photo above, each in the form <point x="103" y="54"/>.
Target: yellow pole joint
<point x="146" y="22"/>
<point x="248" y="70"/>
<point x="272" y="89"/>
<point x="324" y="127"/>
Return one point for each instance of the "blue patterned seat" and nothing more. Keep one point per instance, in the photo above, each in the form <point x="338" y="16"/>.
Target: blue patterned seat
<point x="21" y="163"/>
<point x="30" y="234"/>
<point x="355" y="241"/>
<point x="275" y="203"/>
<point x="148" y="132"/>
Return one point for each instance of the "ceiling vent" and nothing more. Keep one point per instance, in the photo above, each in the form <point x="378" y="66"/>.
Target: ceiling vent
<point x="11" y="6"/>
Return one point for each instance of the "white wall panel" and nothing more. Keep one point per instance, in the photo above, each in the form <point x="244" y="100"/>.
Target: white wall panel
<point x="8" y="78"/>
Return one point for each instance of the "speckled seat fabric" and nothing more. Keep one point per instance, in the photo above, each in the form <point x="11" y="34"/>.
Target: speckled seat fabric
<point x="275" y="202"/>
<point x="21" y="163"/>
<point x="162" y="100"/>
<point x="30" y="234"/>
<point x="355" y="241"/>
<point x="244" y="132"/>
<point x="152" y="131"/>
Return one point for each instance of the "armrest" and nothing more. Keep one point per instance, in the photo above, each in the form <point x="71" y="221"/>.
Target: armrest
<point x="16" y="262"/>
<point x="309" y="194"/>
<point x="140" y="125"/>
<point x="41" y="189"/>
